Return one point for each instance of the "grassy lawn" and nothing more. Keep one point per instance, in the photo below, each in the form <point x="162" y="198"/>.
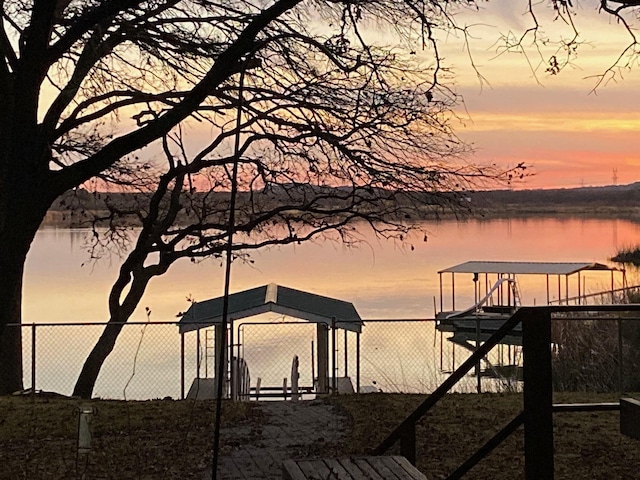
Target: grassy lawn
<point x="160" y="439"/>
<point x="588" y="445"/>
<point x="167" y="439"/>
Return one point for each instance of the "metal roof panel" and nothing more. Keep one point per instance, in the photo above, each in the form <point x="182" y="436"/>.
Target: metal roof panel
<point x="272" y="297"/>
<point x="527" y="268"/>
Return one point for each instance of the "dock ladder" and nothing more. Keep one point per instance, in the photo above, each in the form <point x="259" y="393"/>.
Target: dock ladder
<point x="517" y="301"/>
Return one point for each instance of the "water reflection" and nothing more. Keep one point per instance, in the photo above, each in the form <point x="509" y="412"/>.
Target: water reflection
<point x="384" y="280"/>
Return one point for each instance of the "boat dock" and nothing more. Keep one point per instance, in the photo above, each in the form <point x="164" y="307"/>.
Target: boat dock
<point x="497" y="282"/>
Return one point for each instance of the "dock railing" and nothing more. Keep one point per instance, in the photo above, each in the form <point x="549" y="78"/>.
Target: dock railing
<point x="615" y="296"/>
<point x="538" y="408"/>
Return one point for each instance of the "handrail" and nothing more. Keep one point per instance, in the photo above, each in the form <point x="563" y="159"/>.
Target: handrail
<point x="482" y="301"/>
<point x="488" y="447"/>
<point x="450" y="382"/>
<point x="537" y="414"/>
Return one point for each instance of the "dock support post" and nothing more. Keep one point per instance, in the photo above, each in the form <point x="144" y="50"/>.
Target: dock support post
<point x="322" y="330"/>
<point x="346" y="354"/>
<point x="198" y="353"/>
<point x="334" y="357"/>
<point x="231" y="362"/>
<point x="538" y="402"/>
<point x="219" y="354"/>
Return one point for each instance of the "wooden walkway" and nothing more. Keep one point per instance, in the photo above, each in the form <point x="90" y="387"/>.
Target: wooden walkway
<point x="352" y="468"/>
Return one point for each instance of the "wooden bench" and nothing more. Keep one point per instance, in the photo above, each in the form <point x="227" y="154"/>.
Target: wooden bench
<point x="351" y="468"/>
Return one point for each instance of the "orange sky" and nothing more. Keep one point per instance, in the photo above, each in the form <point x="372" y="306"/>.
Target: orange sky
<point x="568" y="133"/>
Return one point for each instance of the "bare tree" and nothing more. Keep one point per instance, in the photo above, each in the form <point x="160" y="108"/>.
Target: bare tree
<point x="85" y="85"/>
<point x="289" y="192"/>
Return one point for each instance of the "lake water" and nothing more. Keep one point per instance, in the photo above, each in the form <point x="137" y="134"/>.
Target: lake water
<point x="384" y="280"/>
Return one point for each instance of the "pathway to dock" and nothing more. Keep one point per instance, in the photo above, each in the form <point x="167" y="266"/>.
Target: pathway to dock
<point x="290" y="430"/>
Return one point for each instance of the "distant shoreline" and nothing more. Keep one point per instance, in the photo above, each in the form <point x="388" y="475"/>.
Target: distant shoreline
<point x="70" y="220"/>
<point x="76" y="208"/>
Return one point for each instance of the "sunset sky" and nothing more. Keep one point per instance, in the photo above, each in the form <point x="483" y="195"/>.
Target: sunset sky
<point x="569" y="134"/>
<point x="569" y="129"/>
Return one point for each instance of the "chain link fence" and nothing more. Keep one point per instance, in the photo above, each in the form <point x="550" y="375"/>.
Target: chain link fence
<point x="144" y="363"/>
<point x="596" y="354"/>
<point x="152" y="361"/>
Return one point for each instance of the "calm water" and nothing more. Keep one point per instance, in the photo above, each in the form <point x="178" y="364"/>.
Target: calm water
<point x="384" y="280"/>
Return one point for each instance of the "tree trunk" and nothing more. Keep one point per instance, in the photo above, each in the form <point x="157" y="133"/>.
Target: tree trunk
<point x="10" y="319"/>
<point x="92" y="365"/>
<point x="17" y="231"/>
<point x="120" y="312"/>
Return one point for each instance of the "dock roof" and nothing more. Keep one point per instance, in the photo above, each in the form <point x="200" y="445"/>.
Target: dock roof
<point x="273" y="298"/>
<point x="527" y="268"/>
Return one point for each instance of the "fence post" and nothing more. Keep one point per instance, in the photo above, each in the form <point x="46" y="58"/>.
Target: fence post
<point x="538" y="401"/>
<point x="181" y="366"/>
<point x="357" y="362"/>
<point x="33" y="360"/>
<point x="408" y="443"/>
<point x="621" y="385"/>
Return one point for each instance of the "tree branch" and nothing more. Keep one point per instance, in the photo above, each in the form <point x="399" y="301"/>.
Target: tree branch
<point x="86" y="22"/>
<point x="95" y="49"/>
<point x="83" y="170"/>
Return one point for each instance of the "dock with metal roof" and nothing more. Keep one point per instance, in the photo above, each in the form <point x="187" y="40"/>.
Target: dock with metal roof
<point x="502" y="297"/>
<point x="329" y="315"/>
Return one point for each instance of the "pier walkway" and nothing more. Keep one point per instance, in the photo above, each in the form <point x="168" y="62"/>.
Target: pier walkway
<point x="290" y="430"/>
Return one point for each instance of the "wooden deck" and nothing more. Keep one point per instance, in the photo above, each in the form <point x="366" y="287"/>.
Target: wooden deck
<point x="352" y="468"/>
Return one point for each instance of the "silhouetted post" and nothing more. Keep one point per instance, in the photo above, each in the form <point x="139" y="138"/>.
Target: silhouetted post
<point x="323" y="357"/>
<point x="408" y="443"/>
<point x="538" y="401"/>
<point x="621" y="385"/>
<point x="181" y="366"/>
<point x="33" y="361"/>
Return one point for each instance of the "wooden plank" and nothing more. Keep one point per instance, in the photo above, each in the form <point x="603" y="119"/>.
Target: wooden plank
<point x="412" y="472"/>
<point x="349" y="465"/>
<point x="338" y="472"/>
<point x="314" y="470"/>
<point x="367" y="469"/>
<point x="291" y="471"/>
<point x="382" y="466"/>
<point x="351" y="468"/>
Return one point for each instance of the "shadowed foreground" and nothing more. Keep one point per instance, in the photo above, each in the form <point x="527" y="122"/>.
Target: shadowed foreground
<point x="172" y="439"/>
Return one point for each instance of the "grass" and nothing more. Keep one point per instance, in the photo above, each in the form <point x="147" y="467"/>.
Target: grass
<point x="160" y="439"/>
<point x="587" y="445"/>
<point x="167" y="439"/>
